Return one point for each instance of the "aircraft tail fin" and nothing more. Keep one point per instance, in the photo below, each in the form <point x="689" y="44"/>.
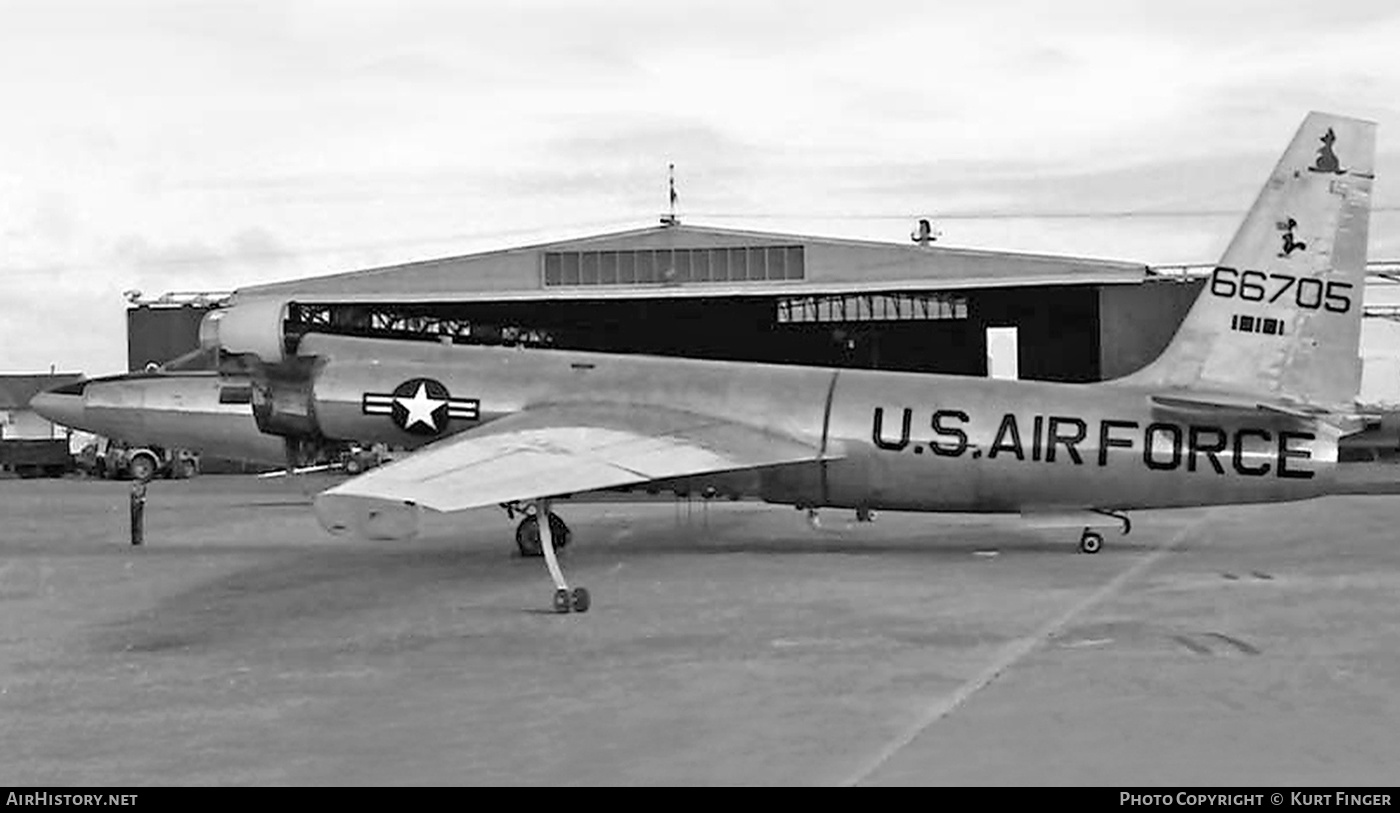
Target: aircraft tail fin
<point x="1280" y="316"/>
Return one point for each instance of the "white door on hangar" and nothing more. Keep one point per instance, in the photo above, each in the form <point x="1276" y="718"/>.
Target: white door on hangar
<point x="1003" y="348"/>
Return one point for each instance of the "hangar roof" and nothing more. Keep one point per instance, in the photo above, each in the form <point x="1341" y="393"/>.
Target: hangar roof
<point x="791" y="265"/>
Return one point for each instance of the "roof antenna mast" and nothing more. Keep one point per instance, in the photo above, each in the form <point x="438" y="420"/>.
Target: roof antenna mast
<point x="670" y="219"/>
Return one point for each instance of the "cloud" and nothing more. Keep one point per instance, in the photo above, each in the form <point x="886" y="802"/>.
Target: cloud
<point x="408" y="68"/>
<point x="173" y="145"/>
<point x="75" y="326"/>
<point x="53" y="220"/>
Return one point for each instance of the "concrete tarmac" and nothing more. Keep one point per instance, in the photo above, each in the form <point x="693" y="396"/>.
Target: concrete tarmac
<point x="728" y="644"/>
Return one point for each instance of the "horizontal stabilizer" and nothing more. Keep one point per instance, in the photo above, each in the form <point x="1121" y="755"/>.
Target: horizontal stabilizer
<point x="1226" y="402"/>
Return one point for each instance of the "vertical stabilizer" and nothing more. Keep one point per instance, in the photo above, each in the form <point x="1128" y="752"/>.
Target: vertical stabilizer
<point x="1280" y="316"/>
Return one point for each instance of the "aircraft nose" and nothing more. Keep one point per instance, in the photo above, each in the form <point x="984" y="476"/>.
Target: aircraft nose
<point x="62" y="405"/>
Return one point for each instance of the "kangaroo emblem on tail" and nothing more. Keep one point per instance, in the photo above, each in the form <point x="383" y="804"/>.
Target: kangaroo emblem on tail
<point x="1290" y="245"/>
<point x="1326" y="158"/>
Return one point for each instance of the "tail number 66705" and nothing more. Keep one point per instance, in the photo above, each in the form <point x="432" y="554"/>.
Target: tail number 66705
<point x="1305" y="292"/>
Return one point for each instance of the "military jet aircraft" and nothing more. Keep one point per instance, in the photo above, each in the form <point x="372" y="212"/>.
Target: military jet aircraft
<point x="1247" y="404"/>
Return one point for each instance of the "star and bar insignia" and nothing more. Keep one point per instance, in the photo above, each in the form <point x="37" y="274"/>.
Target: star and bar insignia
<point x="421" y="406"/>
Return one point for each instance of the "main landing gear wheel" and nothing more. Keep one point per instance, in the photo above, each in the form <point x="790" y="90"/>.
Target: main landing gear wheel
<point x="527" y="535"/>
<point x="576" y="600"/>
<point x="565" y="600"/>
<point x="1090" y="542"/>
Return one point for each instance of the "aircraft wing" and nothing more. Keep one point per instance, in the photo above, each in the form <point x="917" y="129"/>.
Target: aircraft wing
<point x="556" y="450"/>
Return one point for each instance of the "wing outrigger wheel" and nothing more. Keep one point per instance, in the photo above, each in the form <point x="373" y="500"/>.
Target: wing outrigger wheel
<point x="565" y="600"/>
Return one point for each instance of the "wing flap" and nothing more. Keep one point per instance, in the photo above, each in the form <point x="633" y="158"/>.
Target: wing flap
<point x="565" y="449"/>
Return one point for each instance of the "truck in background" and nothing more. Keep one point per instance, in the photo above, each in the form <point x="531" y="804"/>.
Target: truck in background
<point x="36" y="457"/>
<point x="115" y="460"/>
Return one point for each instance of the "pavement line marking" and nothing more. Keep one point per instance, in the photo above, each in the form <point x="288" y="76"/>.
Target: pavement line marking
<point x="1014" y="652"/>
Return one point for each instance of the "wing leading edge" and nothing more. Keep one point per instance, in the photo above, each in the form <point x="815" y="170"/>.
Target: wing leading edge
<point x="555" y="450"/>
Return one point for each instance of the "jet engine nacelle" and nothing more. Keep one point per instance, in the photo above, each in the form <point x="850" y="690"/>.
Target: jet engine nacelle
<point x="248" y="327"/>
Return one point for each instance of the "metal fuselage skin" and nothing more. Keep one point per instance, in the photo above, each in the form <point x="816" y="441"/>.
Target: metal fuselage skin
<point x="178" y="409"/>
<point x="898" y="441"/>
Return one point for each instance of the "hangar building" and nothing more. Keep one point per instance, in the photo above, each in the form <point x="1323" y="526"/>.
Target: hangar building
<point x="18" y="421"/>
<point x="728" y="294"/>
<point x="159" y="329"/>
<point x="724" y="293"/>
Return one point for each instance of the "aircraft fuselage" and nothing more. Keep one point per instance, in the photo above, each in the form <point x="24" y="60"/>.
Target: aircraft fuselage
<point x="196" y="410"/>
<point x="899" y="441"/>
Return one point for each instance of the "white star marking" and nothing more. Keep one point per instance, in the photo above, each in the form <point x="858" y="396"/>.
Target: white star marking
<point x="420" y="408"/>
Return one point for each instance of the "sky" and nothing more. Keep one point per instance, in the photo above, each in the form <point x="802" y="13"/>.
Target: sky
<point x="201" y="146"/>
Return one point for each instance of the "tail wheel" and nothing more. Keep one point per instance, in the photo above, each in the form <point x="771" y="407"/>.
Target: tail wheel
<point x="1090" y="542"/>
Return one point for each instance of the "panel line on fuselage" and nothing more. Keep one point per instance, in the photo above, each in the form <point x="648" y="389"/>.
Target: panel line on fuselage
<point x="826" y="433"/>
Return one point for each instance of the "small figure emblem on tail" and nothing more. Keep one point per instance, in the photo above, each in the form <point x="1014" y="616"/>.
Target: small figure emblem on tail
<point x="1326" y="158"/>
<point x="1290" y="244"/>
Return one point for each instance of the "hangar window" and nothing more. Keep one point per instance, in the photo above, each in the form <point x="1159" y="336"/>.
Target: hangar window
<point x="607" y="268"/>
<point x="757" y="264"/>
<point x="738" y="264"/>
<point x="872" y="308"/>
<point x="646" y="266"/>
<point x="674" y="266"/>
<point x="793" y="263"/>
<point x="719" y="265"/>
<point x="700" y="266"/>
<point x="679" y="270"/>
